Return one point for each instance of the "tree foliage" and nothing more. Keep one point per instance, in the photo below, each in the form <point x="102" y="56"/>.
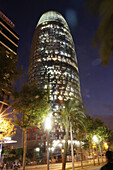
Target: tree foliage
<point x="32" y="103"/>
<point x="7" y="129"/>
<point x="96" y="127"/>
<point x="8" y="70"/>
<point x="72" y="111"/>
<point x="104" y="35"/>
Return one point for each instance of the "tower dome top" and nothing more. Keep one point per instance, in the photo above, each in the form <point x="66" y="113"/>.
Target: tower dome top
<point x="52" y="16"/>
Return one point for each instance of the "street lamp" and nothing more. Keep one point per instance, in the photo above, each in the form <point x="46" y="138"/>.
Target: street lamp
<point x="48" y="127"/>
<point x="72" y="152"/>
<point x="105" y="145"/>
<point x="37" y="149"/>
<point x="51" y="149"/>
<point x="95" y="139"/>
<point x="36" y="153"/>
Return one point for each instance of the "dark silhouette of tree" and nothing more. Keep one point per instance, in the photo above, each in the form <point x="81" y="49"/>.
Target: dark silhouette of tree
<point x="104" y="36"/>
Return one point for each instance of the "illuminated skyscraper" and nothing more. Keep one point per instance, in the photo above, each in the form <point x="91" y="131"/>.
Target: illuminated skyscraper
<point x="53" y="62"/>
<point x="53" y="58"/>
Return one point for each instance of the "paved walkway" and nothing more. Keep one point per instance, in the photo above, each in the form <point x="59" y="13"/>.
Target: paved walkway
<point x="58" y="166"/>
<point x="90" y="168"/>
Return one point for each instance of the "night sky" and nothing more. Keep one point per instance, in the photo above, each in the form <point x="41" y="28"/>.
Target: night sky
<point x="96" y="80"/>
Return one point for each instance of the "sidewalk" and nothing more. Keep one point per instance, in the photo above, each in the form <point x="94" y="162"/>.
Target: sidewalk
<point x="90" y="168"/>
<point x="87" y="165"/>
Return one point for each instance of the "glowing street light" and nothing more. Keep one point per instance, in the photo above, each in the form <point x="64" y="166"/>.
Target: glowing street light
<point x="48" y="127"/>
<point x="48" y="123"/>
<point x="37" y="149"/>
<point x="95" y="139"/>
<point x="105" y="145"/>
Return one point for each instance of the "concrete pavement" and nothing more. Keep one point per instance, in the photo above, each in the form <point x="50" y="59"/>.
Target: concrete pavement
<point x="88" y="165"/>
<point x="43" y="167"/>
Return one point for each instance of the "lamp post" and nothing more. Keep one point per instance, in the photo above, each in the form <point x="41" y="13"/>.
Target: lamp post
<point x="37" y="150"/>
<point x="72" y="152"/>
<point x="95" y="139"/>
<point x="48" y="127"/>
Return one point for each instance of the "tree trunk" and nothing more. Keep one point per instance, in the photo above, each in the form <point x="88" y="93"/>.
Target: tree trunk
<point x="81" y="155"/>
<point x="97" y="154"/>
<point x="24" y="147"/>
<point x="66" y="145"/>
<point x="101" y="152"/>
<point x="93" y="155"/>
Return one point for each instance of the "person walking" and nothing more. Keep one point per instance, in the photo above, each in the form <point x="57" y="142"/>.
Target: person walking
<point x="109" y="165"/>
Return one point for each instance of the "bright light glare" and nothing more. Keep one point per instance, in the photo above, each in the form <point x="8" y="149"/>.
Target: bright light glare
<point x="95" y="139"/>
<point x="60" y="145"/>
<point x="76" y="142"/>
<point x="63" y="141"/>
<point x="55" y="143"/>
<point x="37" y="149"/>
<point x="52" y="149"/>
<point x="1" y="120"/>
<point x="69" y="141"/>
<point x="48" y="123"/>
<point x="105" y="144"/>
<point x="10" y="141"/>
<point x="7" y="138"/>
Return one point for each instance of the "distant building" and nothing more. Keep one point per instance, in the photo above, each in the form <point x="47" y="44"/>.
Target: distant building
<point x="8" y="37"/>
<point x="53" y="62"/>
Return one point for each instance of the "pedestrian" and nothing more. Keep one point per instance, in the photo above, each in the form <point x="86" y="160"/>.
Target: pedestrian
<point x="1" y="166"/>
<point x="7" y="165"/>
<point x="109" y="165"/>
<point x="11" y="166"/>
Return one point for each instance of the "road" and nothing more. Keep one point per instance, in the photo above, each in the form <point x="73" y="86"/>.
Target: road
<point x="58" y="166"/>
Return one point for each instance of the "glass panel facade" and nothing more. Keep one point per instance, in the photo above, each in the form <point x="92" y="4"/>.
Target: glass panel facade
<point x="53" y="62"/>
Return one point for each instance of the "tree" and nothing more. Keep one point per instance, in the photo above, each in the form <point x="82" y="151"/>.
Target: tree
<point x="32" y="103"/>
<point x="72" y="111"/>
<point x="80" y="135"/>
<point x="7" y="128"/>
<point x="96" y="127"/>
<point x="104" y="35"/>
<point x="8" y="70"/>
<point x="12" y="154"/>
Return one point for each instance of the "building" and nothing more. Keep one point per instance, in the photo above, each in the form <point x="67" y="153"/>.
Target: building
<point x="8" y="37"/>
<point x="53" y="63"/>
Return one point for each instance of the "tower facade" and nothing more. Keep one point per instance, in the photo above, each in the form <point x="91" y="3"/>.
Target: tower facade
<point x="53" y="59"/>
<point x="53" y="63"/>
